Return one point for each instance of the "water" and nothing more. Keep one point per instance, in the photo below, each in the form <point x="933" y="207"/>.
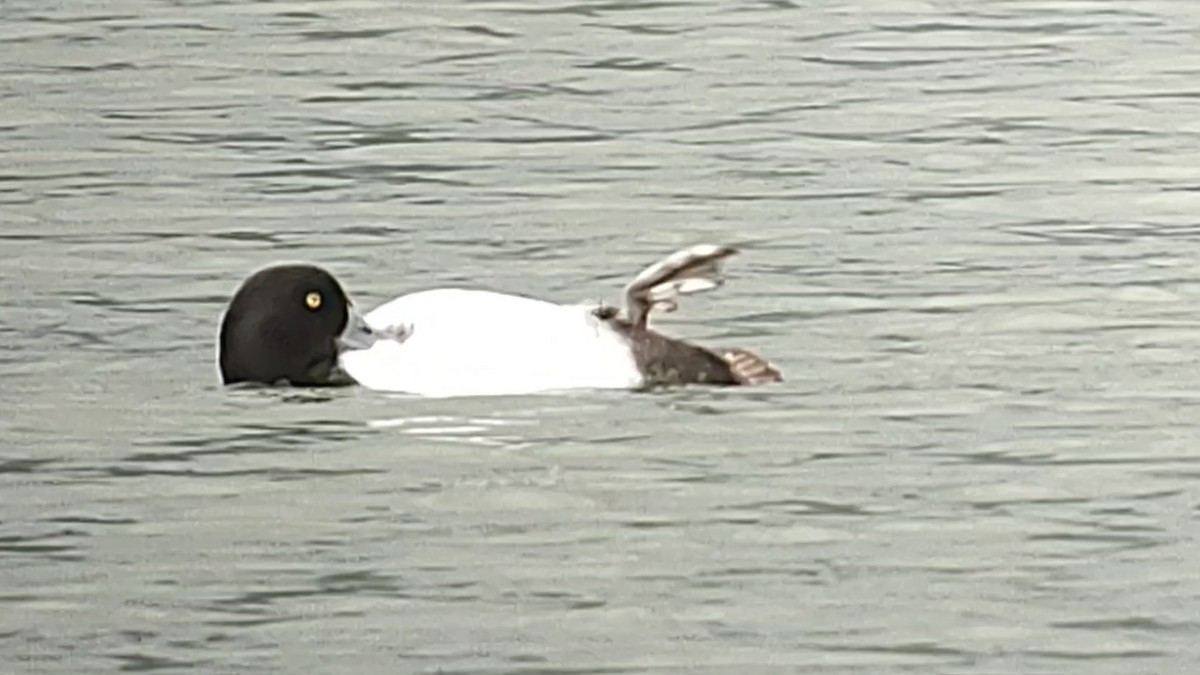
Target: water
<point x="969" y="234"/>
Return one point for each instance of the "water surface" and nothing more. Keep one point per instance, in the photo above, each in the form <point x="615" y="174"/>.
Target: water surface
<point x="969" y="238"/>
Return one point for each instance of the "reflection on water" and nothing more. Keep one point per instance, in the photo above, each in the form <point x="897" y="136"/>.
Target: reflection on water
<point x="966" y="232"/>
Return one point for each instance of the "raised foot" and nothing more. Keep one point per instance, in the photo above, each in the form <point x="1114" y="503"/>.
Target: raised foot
<point x="692" y="270"/>
<point x="750" y="369"/>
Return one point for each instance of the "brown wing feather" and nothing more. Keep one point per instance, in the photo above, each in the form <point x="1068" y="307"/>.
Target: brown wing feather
<point x="667" y="361"/>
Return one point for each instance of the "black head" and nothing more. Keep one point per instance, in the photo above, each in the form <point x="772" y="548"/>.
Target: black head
<point x="283" y="325"/>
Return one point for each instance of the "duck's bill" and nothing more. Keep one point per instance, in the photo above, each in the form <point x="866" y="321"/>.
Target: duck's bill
<point x="358" y="334"/>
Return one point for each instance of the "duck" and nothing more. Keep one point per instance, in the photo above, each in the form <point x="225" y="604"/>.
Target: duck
<point x="293" y="324"/>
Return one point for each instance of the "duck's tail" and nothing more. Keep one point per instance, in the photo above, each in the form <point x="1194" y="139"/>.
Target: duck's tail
<point x="750" y="369"/>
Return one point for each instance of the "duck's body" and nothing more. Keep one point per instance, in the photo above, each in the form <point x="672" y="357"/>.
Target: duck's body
<point x="458" y="342"/>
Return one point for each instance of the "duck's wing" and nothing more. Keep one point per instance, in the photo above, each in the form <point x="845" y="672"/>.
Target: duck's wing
<point x="692" y="270"/>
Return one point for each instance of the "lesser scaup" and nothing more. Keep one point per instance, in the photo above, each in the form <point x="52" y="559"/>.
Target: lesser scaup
<point x="294" y="324"/>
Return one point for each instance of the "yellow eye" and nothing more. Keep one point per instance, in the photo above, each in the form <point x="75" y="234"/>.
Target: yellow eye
<point x="313" y="300"/>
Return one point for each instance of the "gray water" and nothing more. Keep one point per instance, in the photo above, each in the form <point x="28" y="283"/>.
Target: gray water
<point x="969" y="232"/>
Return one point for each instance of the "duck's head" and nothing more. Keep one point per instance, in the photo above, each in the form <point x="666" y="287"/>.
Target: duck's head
<point x="287" y="324"/>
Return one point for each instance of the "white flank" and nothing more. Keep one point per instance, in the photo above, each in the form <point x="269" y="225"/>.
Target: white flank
<point x="479" y="343"/>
